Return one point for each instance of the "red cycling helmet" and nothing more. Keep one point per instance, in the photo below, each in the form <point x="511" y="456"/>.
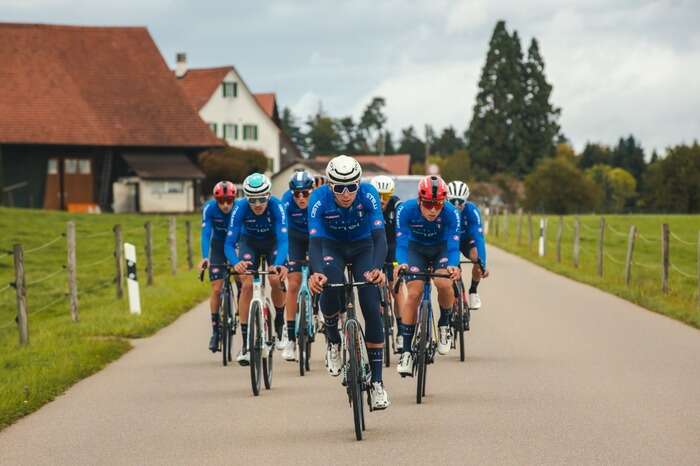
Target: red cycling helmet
<point x="224" y="190"/>
<point x="432" y="188"/>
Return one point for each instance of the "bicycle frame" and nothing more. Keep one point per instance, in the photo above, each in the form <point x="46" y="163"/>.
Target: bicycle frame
<point x="305" y="294"/>
<point x="426" y="298"/>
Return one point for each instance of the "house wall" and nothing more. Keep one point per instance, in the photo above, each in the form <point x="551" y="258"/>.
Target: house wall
<point x="159" y="196"/>
<point x="242" y="110"/>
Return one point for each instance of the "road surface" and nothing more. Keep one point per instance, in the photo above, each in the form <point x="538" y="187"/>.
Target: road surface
<point x="557" y="373"/>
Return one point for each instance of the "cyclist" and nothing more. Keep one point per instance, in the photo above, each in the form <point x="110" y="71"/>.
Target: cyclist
<point x="385" y="186"/>
<point x="258" y="227"/>
<point x="346" y="226"/>
<point x="216" y="215"/>
<point x="295" y="201"/>
<point x="472" y="243"/>
<point x="427" y="233"/>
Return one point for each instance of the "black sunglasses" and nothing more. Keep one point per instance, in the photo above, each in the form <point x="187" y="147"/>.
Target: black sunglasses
<point x="302" y="193"/>
<point x="341" y="188"/>
<point x="457" y="202"/>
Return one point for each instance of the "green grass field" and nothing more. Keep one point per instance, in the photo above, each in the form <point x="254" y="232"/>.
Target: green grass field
<point x="60" y="351"/>
<point x="645" y="286"/>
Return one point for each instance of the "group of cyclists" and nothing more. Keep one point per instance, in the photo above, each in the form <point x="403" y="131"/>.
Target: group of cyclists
<point x="341" y="222"/>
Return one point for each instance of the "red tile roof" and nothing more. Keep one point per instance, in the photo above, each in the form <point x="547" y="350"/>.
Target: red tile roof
<point x="103" y="86"/>
<point x="267" y="102"/>
<point x="395" y="164"/>
<point x="200" y="84"/>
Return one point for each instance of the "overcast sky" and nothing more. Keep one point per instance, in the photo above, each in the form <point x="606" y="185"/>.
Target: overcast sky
<point x="617" y="67"/>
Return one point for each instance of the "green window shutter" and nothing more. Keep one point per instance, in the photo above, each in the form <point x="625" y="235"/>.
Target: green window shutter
<point x="255" y="132"/>
<point x="235" y="89"/>
<point x="235" y="131"/>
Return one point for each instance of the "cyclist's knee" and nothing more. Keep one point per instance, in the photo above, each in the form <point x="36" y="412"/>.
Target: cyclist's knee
<point x="294" y="282"/>
<point x="216" y="286"/>
<point x="415" y="290"/>
<point x="246" y="283"/>
<point x="443" y="284"/>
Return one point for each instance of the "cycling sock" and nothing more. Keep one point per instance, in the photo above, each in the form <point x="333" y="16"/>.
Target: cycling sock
<point x="291" y="334"/>
<point x="279" y="321"/>
<point x="444" y="317"/>
<point x="407" y="331"/>
<point x="244" y="334"/>
<point x="332" y="329"/>
<point x="215" y="319"/>
<point x="376" y="361"/>
<point x="472" y="288"/>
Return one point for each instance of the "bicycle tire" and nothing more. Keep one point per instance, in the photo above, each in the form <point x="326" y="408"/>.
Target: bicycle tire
<point x="224" y="331"/>
<point x="232" y="324"/>
<point x="301" y="337"/>
<point x="255" y="347"/>
<point x="267" y="361"/>
<point x="354" y="382"/>
<point x="388" y="331"/>
<point x="458" y="319"/>
<point x="422" y="352"/>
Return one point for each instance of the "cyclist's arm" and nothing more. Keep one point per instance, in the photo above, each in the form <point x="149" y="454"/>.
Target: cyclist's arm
<point x="451" y="236"/>
<point x="205" y="237"/>
<point x="316" y="232"/>
<point x="475" y="231"/>
<point x="281" y="233"/>
<point x="402" y="236"/>
<point x="378" y="232"/>
<point x="233" y="234"/>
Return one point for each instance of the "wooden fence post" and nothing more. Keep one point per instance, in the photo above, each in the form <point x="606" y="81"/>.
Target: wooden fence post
<point x="172" y="239"/>
<point x="560" y="231"/>
<point x="497" y="222"/>
<point x="149" y="253"/>
<point x="664" y="257"/>
<point x="601" y="240"/>
<point x="630" y="253"/>
<point x="21" y="289"/>
<point x="118" y="261"/>
<point x="520" y="225"/>
<point x="188" y="239"/>
<point x="71" y="268"/>
<point x="577" y="241"/>
<point x="505" y="224"/>
<point x="529" y="230"/>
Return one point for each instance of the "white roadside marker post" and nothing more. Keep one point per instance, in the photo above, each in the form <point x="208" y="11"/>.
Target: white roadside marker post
<point x="541" y="241"/>
<point x="131" y="280"/>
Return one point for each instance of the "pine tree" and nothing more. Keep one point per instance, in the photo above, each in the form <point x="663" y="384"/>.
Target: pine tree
<point x="448" y="142"/>
<point x="292" y="130"/>
<point x="629" y="155"/>
<point x="412" y="144"/>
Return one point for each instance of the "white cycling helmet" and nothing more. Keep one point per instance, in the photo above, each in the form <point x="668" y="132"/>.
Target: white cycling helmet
<point x="384" y="184"/>
<point x="457" y="190"/>
<point x="256" y="185"/>
<point x="343" y="169"/>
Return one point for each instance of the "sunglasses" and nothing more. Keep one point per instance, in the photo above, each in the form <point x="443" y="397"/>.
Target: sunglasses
<point x="341" y="188"/>
<point x="302" y="193"/>
<point x="224" y="201"/>
<point x="257" y="200"/>
<point x="432" y="205"/>
<point x="457" y="202"/>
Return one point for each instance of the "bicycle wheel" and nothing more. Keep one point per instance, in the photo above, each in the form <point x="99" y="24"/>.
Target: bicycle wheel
<point x="422" y="351"/>
<point x="255" y="347"/>
<point x="224" y="330"/>
<point x="388" y="330"/>
<point x="231" y="326"/>
<point x="301" y="336"/>
<point x="267" y="348"/>
<point x="457" y="318"/>
<point x="353" y="379"/>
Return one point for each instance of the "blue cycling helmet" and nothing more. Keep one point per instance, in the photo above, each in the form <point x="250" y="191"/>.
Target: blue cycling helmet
<point x="301" y="180"/>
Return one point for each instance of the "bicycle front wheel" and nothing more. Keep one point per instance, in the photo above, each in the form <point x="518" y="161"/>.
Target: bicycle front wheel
<point x="388" y="328"/>
<point x="354" y="380"/>
<point x="255" y="347"/>
<point x="267" y="348"/>
<point x="225" y="330"/>
<point x="458" y="319"/>
<point x="422" y="351"/>
<point x="301" y="336"/>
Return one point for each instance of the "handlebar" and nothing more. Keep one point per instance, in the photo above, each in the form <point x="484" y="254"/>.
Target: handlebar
<point x="232" y="271"/>
<point x="478" y="262"/>
<point x="404" y="272"/>
<point x="348" y="285"/>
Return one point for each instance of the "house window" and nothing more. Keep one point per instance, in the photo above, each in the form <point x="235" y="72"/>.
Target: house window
<point x="230" y="131"/>
<point x="230" y="89"/>
<point x="250" y="132"/>
<point x="213" y="128"/>
<point x="70" y="166"/>
<point x="84" y="167"/>
<point x="167" y="187"/>
<point x="52" y="168"/>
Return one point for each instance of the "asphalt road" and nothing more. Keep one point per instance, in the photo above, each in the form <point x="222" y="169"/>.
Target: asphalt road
<point x="557" y="373"/>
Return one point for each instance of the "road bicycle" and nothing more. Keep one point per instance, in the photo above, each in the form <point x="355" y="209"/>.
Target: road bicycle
<point x="461" y="315"/>
<point x="357" y="373"/>
<point x="306" y="324"/>
<point x="228" y="314"/>
<point x="424" y="344"/>
<point x="386" y="301"/>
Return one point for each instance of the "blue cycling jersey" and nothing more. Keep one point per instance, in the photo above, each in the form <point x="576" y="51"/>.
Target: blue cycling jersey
<point x="412" y="226"/>
<point x="214" y="226"/>
<point x="296" y="216"/>
<point x="272" y="223"/>
<point x="328" y="220"/>
<point x="472" y="229"/>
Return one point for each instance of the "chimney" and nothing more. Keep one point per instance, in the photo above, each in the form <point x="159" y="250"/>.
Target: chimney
<point x="180" y="64"/>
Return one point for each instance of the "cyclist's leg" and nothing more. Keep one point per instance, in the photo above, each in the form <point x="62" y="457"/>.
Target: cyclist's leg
<point x="418" y="259"/>
<point x="332" y="298"/>
<point x="298" y="248"/>
<point x="269" y="248"/>
<point x="247" y="252"/>
<point x="446" y="296"/>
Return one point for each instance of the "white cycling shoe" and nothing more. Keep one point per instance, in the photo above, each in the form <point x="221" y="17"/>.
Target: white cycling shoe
<point x="405" y="366"/>
<point x="474" y="301"/>
<point x="243" y="358"/>
<point x="379" y="396"/>
<point x="333" y="359"/>
<point x="281" y="343"/>
<point x="289" y="353"/>
<point x="445" y="340"/>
